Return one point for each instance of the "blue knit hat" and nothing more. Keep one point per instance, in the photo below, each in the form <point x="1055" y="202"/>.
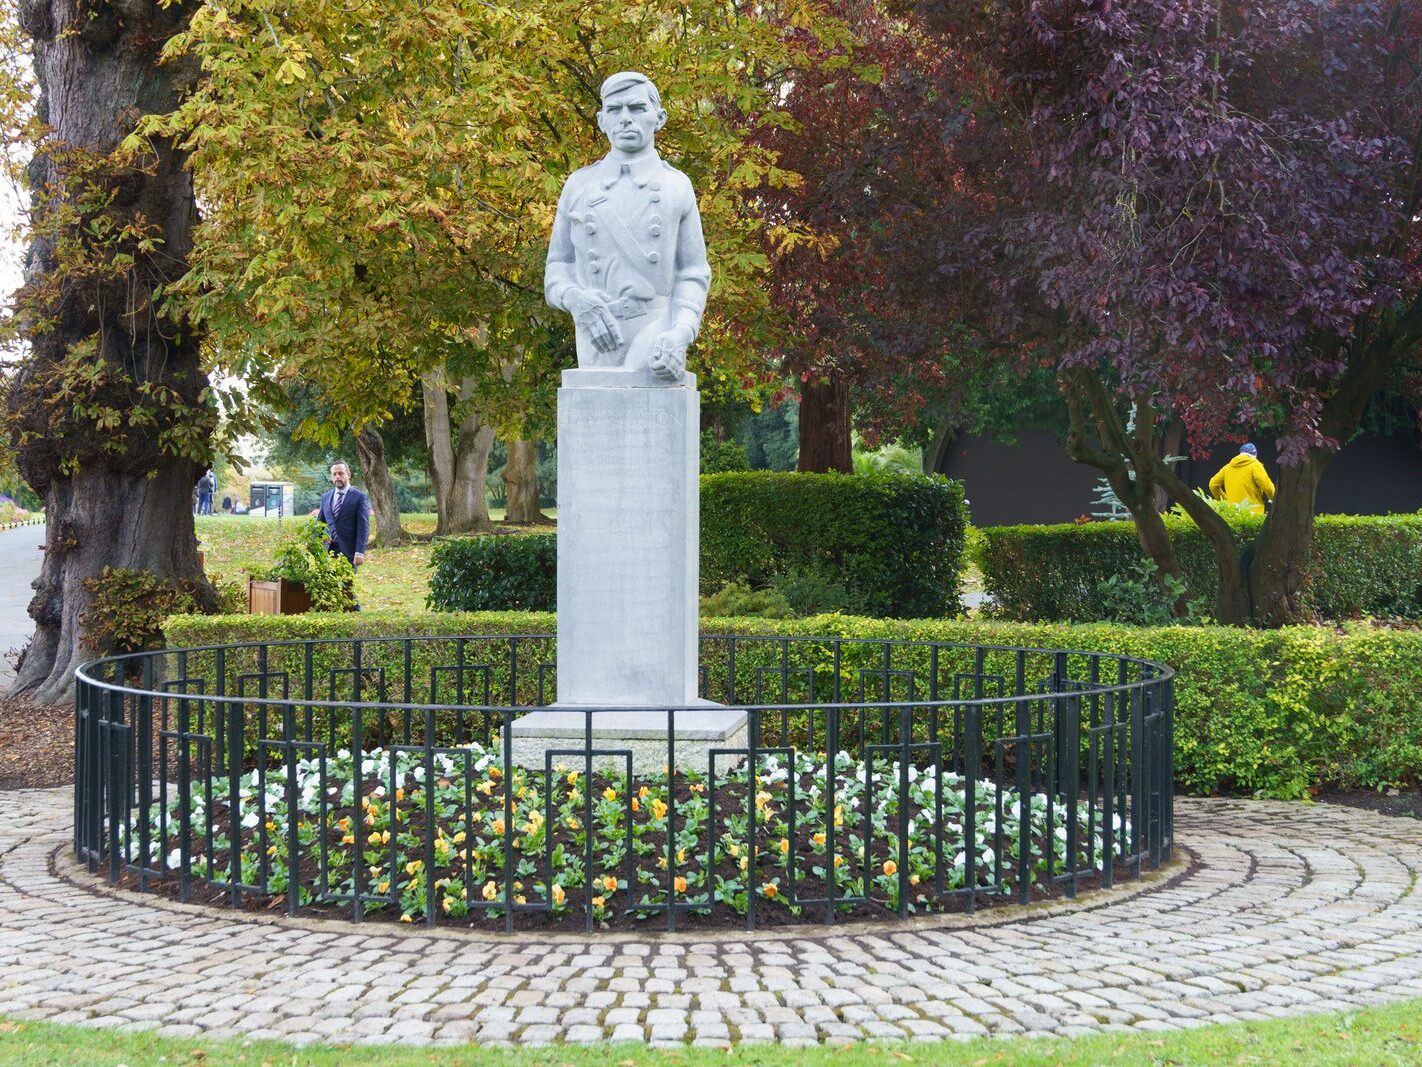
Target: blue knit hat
<point x="1249" y="448"/>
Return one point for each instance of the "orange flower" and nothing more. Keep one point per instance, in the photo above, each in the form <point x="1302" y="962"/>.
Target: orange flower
<point x="890" y="867"/>
<point x="770" y="889"/>
<point x="679" y="885"/>
<point x="610" y="884"/>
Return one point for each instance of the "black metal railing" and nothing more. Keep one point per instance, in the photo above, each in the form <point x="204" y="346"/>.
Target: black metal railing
<point x="367" y="777"/>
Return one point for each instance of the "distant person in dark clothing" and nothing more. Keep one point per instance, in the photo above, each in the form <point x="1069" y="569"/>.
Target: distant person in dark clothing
<point x="206" y="486"/>
<point x="346" y="512"/>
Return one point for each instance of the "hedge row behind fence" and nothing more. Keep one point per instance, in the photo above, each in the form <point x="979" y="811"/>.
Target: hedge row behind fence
<point x="896" y="541"/>
<point x="1361" y="565"/>
<point x="1279" y="712"/>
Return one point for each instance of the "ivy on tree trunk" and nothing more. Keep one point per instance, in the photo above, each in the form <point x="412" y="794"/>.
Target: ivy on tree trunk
<point x="109" y="412"/>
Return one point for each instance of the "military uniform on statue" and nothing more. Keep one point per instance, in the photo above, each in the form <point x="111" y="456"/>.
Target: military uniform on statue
<point x="627" y="258"/>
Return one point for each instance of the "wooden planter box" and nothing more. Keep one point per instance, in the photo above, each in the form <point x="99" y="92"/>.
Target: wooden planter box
<point x="283" y="597"/>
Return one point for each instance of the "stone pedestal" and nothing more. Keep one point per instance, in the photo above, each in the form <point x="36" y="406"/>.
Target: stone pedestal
<point x="629" y="527"/>
<point x="628" y="559"/>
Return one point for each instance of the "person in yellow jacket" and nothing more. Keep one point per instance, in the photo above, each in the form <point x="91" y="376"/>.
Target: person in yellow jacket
<point x="1243" y="480"/>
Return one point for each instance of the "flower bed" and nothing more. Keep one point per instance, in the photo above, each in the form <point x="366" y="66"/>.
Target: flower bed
<point x="872" y="778"/>
<point x="618" y="850"/>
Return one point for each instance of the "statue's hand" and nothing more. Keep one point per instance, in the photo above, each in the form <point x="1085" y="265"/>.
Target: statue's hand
<point x="592" y="315"/>
<point x="668" y="355"/>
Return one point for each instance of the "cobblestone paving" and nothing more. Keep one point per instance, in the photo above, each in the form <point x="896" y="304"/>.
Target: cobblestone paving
<point x="1292" y="909"/>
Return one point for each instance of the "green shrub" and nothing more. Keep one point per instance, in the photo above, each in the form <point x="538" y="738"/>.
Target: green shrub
<point x="1360" y="565"/>
<point x="1278" y="712"/>
<point x="718" y="456"/>
<point x="894" y="542"/>
<point x="495" y="573"/>
<point x="1142" y="598"/>
<point x="739" y="599"/>
<point x="127" y="608"/>
<point x="887" y="545"/>
<point x="329" y="579"/>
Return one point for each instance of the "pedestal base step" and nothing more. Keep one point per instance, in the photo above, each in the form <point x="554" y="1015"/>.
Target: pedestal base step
<point x="564" y="732"/>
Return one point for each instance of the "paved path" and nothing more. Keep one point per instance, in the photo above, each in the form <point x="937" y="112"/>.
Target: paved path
<point x="20" y="559"/>
<point x="1292" y="909"/>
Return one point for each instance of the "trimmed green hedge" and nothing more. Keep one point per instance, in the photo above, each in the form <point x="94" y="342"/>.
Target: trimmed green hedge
<point x="1279" y="712"/>
<point x="1361" y="565"/>
<point x="496" y="573"/>
<point x="894" y="542"/>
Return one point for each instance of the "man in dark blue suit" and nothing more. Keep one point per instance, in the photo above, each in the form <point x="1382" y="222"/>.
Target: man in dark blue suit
<point x="346" y="513"/>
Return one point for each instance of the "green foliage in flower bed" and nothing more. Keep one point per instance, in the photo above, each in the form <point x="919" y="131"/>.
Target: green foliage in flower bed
<point x="495" y="573"/>
<point x="894" y="541"/>
<point x="1278" y="712"/>
<point x="523" y="838"/>
<point x="1361" y="565"/>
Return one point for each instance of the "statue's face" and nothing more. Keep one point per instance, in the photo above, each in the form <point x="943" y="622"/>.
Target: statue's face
<point x="629" y="119"/>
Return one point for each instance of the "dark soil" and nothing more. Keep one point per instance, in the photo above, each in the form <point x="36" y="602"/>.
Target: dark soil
<point x="1402" y="803"/>
<point x="36" y="744"/>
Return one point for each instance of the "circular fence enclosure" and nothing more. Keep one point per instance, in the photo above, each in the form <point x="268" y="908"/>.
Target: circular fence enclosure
<point x="377" y="779"/>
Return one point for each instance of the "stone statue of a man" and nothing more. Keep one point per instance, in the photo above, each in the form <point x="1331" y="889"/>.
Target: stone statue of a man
<point x="627" y="258"/>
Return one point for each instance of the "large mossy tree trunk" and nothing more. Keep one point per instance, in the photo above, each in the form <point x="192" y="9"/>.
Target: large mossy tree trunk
<point x="370" y="447"/>
<point x="825" y="441"/>
<point x="107" y="413"/>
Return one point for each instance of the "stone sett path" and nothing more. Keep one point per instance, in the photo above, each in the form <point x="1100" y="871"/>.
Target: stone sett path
<point x="1292" y="909"/>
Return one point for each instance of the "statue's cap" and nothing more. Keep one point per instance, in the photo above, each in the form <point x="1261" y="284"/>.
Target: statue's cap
<point x="626" y="79"/>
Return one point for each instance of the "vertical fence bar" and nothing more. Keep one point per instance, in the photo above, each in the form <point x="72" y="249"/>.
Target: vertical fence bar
<point x="144" y="734"/>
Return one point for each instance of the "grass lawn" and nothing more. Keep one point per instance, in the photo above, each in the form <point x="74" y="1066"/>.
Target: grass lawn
<point x="395" y="578"/>
<point x="1387" y="1035"/>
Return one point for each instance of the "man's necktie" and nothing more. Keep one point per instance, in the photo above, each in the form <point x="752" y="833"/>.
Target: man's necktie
<point x="336" y="505"/>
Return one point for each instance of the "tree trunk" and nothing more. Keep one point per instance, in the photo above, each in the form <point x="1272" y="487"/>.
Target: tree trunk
<point x="468" y="504"/>
<point x="521" y="484"/>
<point x="440" y="446"/>
<point x="370" y="447"/>
<point x="116" y="486"/>
<point x="1279" y="568"/>
<point x="824" y="426"/>
<point x="935" y="456"/>
<point x="458" y="459"/>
